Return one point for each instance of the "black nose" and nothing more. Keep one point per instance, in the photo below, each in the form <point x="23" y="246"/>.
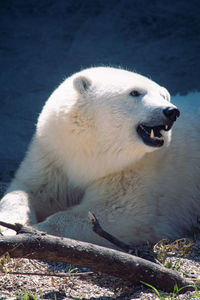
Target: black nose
<point x="171" y="113"/>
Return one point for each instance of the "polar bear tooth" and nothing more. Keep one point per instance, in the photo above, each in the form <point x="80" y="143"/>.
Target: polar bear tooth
<point x="152" y="134"/>
<point x="166" y="127"/>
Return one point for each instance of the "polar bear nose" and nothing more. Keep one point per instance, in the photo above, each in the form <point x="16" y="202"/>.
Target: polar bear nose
<point x="171" y="113"/>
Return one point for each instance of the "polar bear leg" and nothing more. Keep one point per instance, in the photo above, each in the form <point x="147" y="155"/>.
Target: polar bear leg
<point x="71" y="225"/>
<point x="15" y="208"/>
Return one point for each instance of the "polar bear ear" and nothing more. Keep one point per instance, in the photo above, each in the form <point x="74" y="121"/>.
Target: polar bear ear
<point x="82" y="84"/>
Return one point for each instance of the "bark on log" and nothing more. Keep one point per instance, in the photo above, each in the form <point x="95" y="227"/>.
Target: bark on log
<point x="32" y="244"/>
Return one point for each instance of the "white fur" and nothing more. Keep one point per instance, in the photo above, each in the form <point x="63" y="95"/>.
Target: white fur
<point x="86" y="155"/>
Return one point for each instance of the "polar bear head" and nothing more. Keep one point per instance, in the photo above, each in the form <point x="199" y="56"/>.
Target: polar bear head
<point x="103" y="119"/>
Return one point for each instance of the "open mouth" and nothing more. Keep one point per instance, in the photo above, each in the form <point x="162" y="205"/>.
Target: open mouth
<point x="152" y="136"/>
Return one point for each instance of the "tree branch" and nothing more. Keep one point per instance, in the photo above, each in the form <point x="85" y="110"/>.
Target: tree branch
<point x="38" y="245"/>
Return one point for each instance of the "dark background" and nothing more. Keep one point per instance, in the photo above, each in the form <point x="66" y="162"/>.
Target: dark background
<point x="43" y="42"/>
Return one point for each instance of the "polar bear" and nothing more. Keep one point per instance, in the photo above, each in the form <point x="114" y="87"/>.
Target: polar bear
<point x="104" y="143"/>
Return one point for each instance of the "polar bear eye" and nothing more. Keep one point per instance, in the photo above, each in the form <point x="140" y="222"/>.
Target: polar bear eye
<point x="135" y="93"/>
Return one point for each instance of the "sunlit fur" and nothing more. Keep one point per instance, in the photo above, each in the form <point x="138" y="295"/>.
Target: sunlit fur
<point x="86" y="155"/>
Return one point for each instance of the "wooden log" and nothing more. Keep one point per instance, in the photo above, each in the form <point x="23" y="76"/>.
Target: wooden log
<point x="32" y="244"/>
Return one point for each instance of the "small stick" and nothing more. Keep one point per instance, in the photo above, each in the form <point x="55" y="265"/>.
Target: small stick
<point x="50" y="274"/>
<point x="96" y="227"/>
<point x="16" y="227"/>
